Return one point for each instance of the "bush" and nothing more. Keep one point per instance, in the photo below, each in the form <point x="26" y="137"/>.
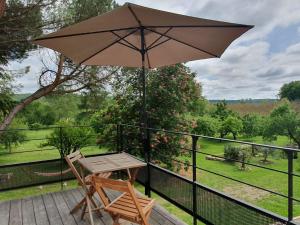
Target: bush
<point x="68" y="138"/>
<point x="240" y="153"/>
<point x="231" y="152"/>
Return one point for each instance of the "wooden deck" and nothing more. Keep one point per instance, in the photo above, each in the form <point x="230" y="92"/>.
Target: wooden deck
<point x="53" y="209"/>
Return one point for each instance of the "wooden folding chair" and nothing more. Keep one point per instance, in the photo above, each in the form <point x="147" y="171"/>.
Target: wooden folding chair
<point x="86" y="183"/>
<point x="127" y="206"/>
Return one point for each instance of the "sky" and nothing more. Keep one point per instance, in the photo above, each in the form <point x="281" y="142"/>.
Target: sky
<point x="254" y="66"/>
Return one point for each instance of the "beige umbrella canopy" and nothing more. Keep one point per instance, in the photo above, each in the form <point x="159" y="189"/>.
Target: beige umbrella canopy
<point x="137" y="36"/>
<point x="121" y="36"/>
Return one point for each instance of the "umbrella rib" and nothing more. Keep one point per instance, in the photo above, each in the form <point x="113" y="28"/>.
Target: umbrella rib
<point x="204" y="26"/>
<point x="132" y="45"/>
<point x="84" y="33"/>
<point x="182" y="42"/>
<point x="101" y="50"/>
<point x="158" y="44"/>
<point x="134" y="15"/>
<point x="150" y="46"/>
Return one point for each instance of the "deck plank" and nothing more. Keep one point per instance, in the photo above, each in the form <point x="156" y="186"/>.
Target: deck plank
<point x="52" y="211"/>
<point x="28" y="216"/>
<point x="15" y="216"/>
<point x="4" y="212"/>
<point x="63" y="209"/>
<point x="79" y="194"/>
<point x="40" y="213"/>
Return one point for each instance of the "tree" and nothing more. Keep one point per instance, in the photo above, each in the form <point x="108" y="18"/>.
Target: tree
<point x="232" y="125"/>
<point x="169" y="92"/>
<point x="291" y="91"/>
<point x="252" y="125"/>
<point x="283" y="120"/>
<point x="69" y="138"/>
<point x="21" y="21"/>
<point x="221" y="111"/>
<point x="13" y="135"/>
<point x="67" y="78"/>
<point x="207" y="125"/>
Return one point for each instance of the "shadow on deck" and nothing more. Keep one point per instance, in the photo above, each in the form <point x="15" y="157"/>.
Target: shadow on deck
<point x="54" y="208"/>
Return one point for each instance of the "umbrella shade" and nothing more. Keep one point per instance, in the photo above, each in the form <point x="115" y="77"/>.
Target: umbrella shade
<point x="121" y="36"/>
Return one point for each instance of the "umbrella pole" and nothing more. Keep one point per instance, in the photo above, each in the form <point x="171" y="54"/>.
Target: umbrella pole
<point x="144" y="120"/>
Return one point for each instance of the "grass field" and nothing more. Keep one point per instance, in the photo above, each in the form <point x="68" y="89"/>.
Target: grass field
<point x="256" y="176"/>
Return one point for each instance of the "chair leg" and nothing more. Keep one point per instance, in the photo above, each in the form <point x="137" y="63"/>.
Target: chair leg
<point x="82" y="202"/>
<point x="89" y="210"/>
<point x="83" y="211"/>
<point x="116" y="220"/>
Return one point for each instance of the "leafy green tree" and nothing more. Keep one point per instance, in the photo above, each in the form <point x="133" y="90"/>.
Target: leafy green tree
<point x="252" y="125"/>
<point x="221" y="111"/>
<point x="291" y="91"/>
<point x="40" y="113"/>
<point x="169" y="92"/>
<point x="207" y="125"/>
<point x="283" y="120"/>
<point x="231" y="124"/>
<point x="69" y="138"/>
<point x="13" y="135"/>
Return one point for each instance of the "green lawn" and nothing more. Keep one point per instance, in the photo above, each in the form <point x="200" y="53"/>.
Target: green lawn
<point x="256" y="176"/>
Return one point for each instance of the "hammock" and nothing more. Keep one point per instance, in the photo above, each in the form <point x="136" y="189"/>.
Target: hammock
<point x="54" y="174"/>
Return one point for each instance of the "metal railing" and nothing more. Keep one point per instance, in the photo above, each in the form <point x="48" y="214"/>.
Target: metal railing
<point x="188" y="193"/>
<point x="195" y="206"/>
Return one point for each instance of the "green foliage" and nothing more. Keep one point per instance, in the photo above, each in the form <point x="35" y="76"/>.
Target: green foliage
<point x="291" y="91"/>
<point x="69" y="138"/>
<point x="207" y="125"/>
<point x="242" y="153"/>
<point x="221" y="110"/>
<point x="40" y="113"/>
<point x="170" y="90"/>
<point x="231" y="124"/>
<point x="252" y="125"/>
<point x="20" y="23"/>
<point x="13" y="135"/>
<point x="231" y="152"/>
<point x="283" y="120"/>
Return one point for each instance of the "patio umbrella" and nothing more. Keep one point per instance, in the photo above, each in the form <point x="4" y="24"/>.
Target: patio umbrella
<point x="137" y="36"/>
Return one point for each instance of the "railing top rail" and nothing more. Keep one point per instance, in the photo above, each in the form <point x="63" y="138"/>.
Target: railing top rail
<point x="216" y="138"/>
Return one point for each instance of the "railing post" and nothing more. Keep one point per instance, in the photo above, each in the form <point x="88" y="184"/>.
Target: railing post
<point x="147" y="156"/>
<point x="61" y="158"/>
<point x="194" y="157"/>
<point x="290" y="185"/>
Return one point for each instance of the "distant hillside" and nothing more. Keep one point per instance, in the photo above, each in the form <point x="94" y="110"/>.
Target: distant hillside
<point x="240" y="101"/>
<point x="19" y="97"/>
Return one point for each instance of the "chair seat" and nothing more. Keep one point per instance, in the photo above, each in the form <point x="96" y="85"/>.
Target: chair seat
<point x="125" y="206"/>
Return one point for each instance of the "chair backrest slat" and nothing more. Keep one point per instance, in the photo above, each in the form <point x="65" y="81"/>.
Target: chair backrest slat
<point x="70" y="159"/>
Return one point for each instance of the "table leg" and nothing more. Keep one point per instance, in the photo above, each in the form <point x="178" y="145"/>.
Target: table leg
<point x="133" y="173"/>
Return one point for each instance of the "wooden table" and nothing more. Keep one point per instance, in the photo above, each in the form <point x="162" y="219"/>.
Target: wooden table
<point x="111" y="163"/>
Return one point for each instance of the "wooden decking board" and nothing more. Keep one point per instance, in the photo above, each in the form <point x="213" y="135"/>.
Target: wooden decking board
<point x="28" y="216"/>
<point x="54" y="209"/>
<point x="15" y="216"/>
<point x="4" y="212"/>
<point x="41" y="217"/>
<point x="63" y="209"/>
